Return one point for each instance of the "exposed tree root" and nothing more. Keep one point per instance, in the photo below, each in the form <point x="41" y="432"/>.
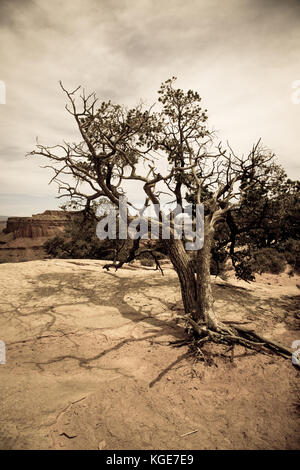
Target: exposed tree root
<point x="235" y="335"/>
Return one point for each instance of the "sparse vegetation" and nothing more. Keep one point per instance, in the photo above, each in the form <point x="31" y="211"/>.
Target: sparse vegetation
<point x="246" y="199"/>
<point x="147" y="262"/>
<point x="268" y="260"/>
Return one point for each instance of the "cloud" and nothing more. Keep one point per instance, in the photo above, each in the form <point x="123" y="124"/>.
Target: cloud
<point x="241" y="55"/>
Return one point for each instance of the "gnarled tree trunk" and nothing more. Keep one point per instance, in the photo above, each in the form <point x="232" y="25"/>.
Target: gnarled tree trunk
<point x="196" y="289"/>
<point x="205" y="300"/>
<point x="184" y="268"/>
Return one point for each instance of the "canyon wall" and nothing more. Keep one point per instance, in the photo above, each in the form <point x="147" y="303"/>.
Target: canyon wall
<point x="23" y="237"/>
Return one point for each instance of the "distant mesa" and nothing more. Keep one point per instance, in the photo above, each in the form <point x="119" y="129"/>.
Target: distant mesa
<point x="3" y="220"/>
<point x="22" y="238"/>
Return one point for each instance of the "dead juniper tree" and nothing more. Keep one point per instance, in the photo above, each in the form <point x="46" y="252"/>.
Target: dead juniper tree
<point x="167" y="153"/>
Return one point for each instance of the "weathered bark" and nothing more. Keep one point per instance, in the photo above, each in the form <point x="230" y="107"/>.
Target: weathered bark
<point x="184" y="268"/>
<point x="196" y="290"/>
<point x="205" y="301"/>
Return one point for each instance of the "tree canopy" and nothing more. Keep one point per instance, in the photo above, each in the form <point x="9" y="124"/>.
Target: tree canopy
<point x="172" y="158"/>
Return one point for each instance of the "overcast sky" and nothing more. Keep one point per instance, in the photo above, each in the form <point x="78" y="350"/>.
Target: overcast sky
<point x="242" y="56"/>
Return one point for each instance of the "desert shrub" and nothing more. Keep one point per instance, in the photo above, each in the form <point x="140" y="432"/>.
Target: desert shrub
<point x="55" y="247"/>
<point x="80" y="241"/>
<point x="268" y="260"/>
<point x="147" y="262"/>
<point x="291" y="250"/>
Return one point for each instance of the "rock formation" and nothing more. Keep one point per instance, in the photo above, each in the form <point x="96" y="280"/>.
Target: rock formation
<point x="23" y="237"/>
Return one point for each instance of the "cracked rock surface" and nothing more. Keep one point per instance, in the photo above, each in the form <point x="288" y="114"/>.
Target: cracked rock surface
<point x="88" y="361"/>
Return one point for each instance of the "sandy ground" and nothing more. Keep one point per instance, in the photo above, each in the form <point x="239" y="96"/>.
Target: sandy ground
<point x="89" y="365"/>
